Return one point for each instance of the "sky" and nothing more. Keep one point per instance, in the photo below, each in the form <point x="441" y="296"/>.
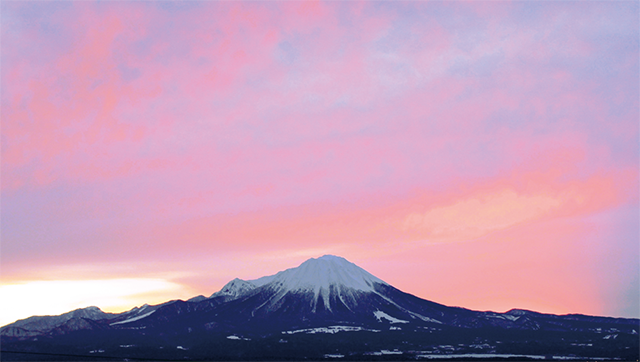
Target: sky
<point x="475" y="154"/>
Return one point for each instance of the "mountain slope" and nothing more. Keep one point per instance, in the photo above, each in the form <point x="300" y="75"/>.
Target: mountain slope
<point x="234" y="289"/>
<point x="38" y="325"/>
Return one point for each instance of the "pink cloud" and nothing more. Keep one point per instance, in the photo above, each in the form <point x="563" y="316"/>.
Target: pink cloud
<point x="237" y="128"/>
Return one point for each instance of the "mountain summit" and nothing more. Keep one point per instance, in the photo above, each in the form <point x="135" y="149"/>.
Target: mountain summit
<point x="326" y="284"/>
<point x="327" y="307"/>
<point x="322" y="274"/>
<point x="322" y="281"/>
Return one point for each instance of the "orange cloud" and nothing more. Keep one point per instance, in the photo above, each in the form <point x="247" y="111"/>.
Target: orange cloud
<point x="481" y="214"/>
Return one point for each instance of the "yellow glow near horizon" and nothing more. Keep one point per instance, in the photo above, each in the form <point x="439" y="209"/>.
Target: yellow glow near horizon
<point x="53" y="297"/>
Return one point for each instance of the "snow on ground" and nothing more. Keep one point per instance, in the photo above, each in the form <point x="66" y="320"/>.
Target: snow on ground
<point x="134" y="318"/>
<point x="480" y="346"/>
<point x="238" y="338"/>
<point x="496" y="355"/>
<point x="581" y="358"/>
<point x="333" y="355"/>
<point x="478" y="355"/>
<point x="383" y="352"/>
<point x="182" y="348"/>
<point x="382" y="315"/>
<point x="330" y="329"/>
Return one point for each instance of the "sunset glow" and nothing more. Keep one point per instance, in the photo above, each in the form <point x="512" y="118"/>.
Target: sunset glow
<point x="52" y="297"/>
<point x="476" y="154"/>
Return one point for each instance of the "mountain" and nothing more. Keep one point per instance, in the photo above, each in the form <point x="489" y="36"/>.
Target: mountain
<point x="326" y="308"/>
<point x="74" y="320"/>
<point x="234" y="289"/>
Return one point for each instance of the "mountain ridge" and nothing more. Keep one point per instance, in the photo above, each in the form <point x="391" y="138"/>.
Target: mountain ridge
<point x="326" y="296"/>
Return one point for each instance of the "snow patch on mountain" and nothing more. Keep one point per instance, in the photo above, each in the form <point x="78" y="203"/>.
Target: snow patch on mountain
<point x="510" y="317"/>
<point x="133" y="319"/>
<point x="380" y="315"/>
<point x="414" y="315"/>
<point x="235" y="289"/>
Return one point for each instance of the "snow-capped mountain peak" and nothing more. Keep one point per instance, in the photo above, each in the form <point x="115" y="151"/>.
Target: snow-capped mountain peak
<point x="322" y="277"/>
<point x="234" y="289"/>
<point x="321" y="273"/>
<point x="329" y="279"/>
